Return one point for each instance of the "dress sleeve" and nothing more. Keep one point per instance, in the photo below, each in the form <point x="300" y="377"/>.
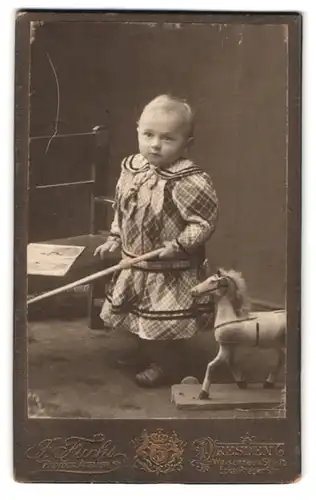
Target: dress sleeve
<point x="196" y="200"/>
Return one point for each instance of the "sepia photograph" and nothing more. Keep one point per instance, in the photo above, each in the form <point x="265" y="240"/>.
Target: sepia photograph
<point x="156" y="227"/>
<point x="164" y="143"/>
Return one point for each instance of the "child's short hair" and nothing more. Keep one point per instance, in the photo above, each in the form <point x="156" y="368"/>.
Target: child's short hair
<point x="170" y="103"/>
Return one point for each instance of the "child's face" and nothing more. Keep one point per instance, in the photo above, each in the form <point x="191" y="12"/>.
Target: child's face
<point x="162" y="137"/>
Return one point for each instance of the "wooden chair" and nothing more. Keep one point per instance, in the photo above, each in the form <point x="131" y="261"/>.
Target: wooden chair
<point x="67" y="205"/>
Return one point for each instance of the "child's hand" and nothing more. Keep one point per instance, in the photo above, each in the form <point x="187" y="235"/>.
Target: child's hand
<point x="108" y="246"/>
<point x="170" y="250"/>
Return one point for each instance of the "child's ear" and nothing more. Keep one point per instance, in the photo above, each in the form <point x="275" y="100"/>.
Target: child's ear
<point x="190" y="142"/>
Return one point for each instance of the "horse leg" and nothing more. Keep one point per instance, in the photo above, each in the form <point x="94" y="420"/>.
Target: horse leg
<point x="236" y="372"/>
<point x="270" y="381"/>
<point x="220" y="358"/>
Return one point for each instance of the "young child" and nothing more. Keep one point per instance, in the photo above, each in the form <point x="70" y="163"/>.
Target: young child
<point x="162" y="200"/>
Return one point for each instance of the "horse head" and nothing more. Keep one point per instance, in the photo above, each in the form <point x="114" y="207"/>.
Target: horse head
<point x="226" y="283"/>
<point x="217" y="284"/>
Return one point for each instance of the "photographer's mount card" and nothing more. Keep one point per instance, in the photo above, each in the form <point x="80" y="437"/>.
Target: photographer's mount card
<point x="157" y="176"/>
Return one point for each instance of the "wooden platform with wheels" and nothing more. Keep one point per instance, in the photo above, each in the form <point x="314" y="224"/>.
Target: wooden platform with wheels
<point x="227" y="397"/>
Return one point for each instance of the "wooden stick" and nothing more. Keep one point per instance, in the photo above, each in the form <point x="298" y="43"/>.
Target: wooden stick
<point x="124" y="264"/>
<point x="65" y="184"/>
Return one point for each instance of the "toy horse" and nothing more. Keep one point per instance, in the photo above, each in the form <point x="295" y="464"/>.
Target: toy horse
<point x="235" y="326"/>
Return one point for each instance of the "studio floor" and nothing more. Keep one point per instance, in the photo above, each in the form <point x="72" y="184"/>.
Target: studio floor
<point x="73" y="371"/>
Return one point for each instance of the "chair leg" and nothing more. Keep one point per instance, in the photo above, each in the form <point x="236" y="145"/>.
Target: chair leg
<point x="95" y="322"/>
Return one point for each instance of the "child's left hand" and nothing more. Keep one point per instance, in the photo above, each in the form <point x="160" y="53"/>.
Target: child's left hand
<point x="170" y="250"/>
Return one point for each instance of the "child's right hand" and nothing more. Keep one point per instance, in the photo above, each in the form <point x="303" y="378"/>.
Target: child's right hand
<point x="108" y="246"/>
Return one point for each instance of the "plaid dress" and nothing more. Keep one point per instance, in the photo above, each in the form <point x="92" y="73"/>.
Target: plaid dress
<point x="153" y="206"/>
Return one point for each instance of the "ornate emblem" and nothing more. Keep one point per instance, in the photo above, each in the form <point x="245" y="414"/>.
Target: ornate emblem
<point x="158" y="452"/>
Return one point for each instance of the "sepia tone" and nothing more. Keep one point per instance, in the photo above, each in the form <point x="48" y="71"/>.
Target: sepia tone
<point x="86" y="80"/>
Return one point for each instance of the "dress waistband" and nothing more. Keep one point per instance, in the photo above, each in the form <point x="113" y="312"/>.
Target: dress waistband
<point x="161" y="265"/>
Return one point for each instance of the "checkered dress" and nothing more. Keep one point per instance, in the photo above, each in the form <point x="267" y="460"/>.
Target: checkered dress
<point x="153" y="206"/>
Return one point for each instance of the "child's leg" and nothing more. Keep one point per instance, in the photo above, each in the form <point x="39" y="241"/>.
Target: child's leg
<point x="168" y="362"/>
<point x="134" y="356"/>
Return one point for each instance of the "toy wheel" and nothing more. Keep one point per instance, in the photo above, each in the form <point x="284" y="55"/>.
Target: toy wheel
<point x="190" y="380"/>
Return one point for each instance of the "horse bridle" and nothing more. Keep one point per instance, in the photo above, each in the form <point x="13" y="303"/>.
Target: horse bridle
<point x="223" y="283"/>
<point x="220" y="283"/>
<point x="239" y="320"/>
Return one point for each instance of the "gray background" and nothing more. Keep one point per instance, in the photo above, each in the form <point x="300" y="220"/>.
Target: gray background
<point x="233" y="75"/>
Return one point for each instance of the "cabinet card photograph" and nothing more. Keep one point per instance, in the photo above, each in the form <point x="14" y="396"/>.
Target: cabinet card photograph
<point x="157" y="247"/>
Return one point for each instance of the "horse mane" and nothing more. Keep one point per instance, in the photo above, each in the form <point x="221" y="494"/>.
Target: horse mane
<point x="238" y="296"/>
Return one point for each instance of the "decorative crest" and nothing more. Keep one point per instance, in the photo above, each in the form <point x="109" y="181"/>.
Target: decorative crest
<point x="158" y="452"/>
